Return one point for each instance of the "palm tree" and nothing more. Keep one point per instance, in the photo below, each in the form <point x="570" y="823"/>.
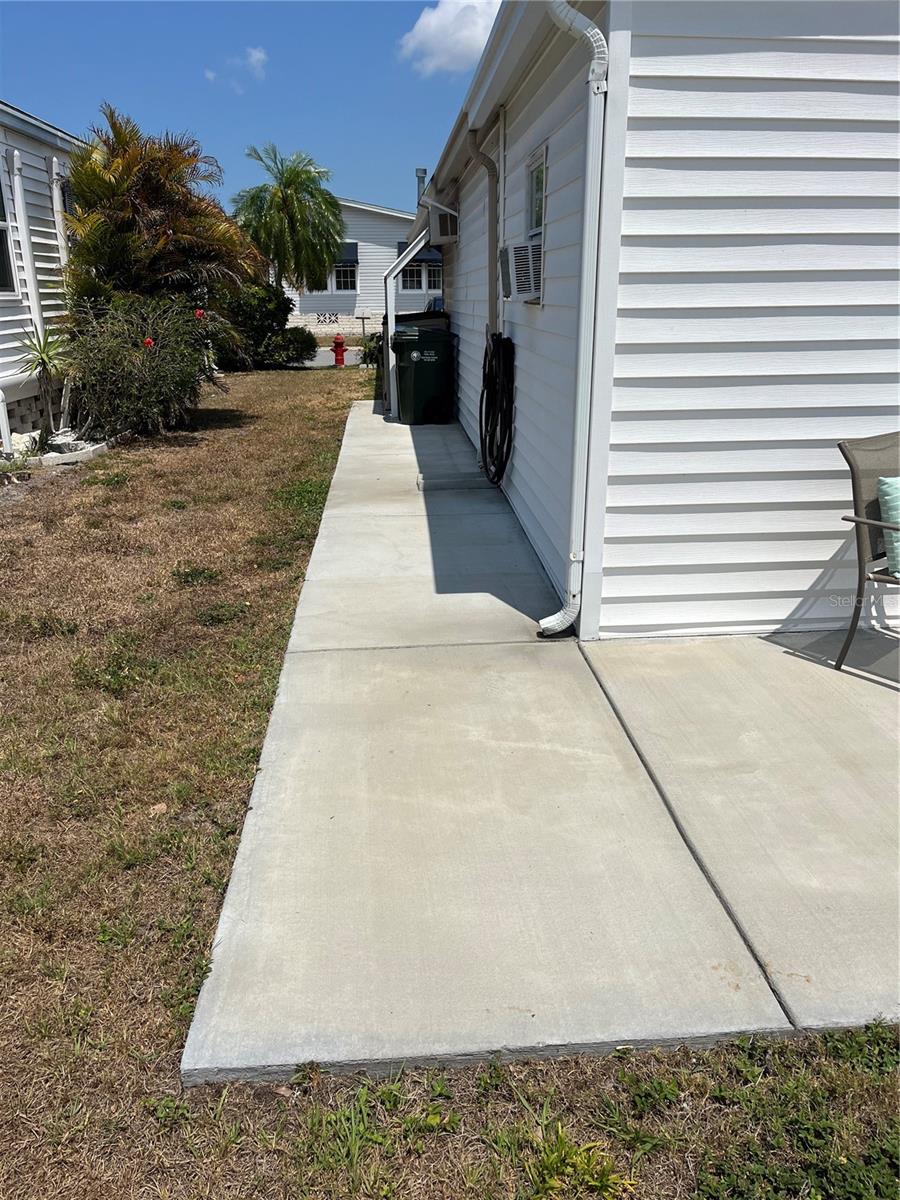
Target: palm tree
<point x="144" y="221"/>
<point x="294" y="220"/>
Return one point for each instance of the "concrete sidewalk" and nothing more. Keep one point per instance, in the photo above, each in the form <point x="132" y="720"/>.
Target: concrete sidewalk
<point x="453" y="848"/>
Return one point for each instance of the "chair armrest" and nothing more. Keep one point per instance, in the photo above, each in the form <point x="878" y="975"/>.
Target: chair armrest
<point x="874" y="524"/>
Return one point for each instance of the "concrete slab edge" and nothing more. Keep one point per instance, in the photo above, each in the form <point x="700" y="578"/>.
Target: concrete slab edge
<point x="381" y="1068"/>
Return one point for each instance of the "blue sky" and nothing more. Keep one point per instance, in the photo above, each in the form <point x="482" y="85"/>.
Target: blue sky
<point x="369" y="88"/>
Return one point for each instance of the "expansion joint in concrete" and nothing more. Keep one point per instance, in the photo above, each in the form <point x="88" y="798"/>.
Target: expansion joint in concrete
<point x="690" y="844"/>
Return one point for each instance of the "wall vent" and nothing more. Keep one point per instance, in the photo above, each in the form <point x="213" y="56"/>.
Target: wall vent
<point x="443" y="227"/>
<point x="526" y="271"/>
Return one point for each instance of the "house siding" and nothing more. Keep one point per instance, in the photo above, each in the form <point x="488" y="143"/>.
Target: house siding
<point x="757" y="317"/>
<point x="376" y="235"/>
<point x="549" y="109"/>
<point x="38" y="220"/>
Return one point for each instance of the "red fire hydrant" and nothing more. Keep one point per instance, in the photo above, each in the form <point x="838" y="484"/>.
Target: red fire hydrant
<point x="337" y="350"/>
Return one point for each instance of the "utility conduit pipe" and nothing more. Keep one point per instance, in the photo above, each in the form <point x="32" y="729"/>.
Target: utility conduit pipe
<point x="491" y="167"/>
<point x="576" y="24"/>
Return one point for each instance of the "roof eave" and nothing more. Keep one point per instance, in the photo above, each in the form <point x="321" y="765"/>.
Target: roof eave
<point x="503" y="60"/>
<point x="376" y="208"/>
<point x="34" y="127"/>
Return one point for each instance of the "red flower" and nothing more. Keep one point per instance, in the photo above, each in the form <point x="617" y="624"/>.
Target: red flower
<point x="149" y="342"/>
<point x="199" y="313"/>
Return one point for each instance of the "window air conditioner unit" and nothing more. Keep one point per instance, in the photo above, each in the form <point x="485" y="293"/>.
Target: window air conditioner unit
<point x="520" y="271"/>
<point x="443" y="227"/>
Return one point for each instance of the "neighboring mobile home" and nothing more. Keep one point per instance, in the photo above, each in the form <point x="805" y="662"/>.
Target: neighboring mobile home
<point x="33" y="249"/>
<point x="698" y="324"/>
<point x="355" y="289"/>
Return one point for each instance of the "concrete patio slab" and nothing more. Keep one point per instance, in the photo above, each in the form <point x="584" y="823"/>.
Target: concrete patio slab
<point x="358" y="614"/>
<point x="391" y="491"/>
<point x="439" y="547"/>
<point x="452" y="851"/>
<point x="783" y="773"/>
<point x="453" y="848"/>
<point x="393" y="566"/>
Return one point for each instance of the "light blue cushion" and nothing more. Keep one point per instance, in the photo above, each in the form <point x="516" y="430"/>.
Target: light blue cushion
<point x="889" y="503"/>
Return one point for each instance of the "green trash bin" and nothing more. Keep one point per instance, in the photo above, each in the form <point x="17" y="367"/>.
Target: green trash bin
<point x="426" y="374"/>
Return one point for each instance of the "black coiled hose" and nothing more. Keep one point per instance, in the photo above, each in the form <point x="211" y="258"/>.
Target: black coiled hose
<point x="495" y="407"/>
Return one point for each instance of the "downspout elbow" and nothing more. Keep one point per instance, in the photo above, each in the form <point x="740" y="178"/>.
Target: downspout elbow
<point x="576" y="23"/>
<point x="562" y="620"/>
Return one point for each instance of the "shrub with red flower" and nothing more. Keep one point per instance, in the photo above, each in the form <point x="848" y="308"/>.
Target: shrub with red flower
<point x="149" y="342"/>
<point x="199" y="313"/>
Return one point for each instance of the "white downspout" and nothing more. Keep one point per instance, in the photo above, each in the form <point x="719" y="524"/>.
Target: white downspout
<point x="578" y="25"/>
<point x="491" y="167"/>
<point x="59" y="217"/>
<point x="21" y="217"/>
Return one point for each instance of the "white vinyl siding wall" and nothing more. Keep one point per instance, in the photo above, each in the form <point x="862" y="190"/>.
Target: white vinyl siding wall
<point x="15" y="311"/>
<point x="15" y="317"/>
<point x="757" y="317"/>
<point x="550" y="110"/>
<point x="466" y="294"/>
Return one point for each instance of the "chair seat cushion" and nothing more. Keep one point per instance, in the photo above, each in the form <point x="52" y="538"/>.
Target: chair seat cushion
<point x="889" y="503"/>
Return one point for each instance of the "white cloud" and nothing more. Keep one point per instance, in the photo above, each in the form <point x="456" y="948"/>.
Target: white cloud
<point x="255" y="60"/>
<point x="209" y="75"/>
<point x="450" y="36"/>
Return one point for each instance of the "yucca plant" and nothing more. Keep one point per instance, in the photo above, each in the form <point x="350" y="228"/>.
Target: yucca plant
<point x="293" y="219"/>
<point x="45" y="355"/>
<point x="145" y="223"/>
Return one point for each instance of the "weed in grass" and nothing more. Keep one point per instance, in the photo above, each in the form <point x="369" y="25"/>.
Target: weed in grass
<point x="30" y="902"/>
<point x="633" y="1137"/>
<point x="118" y="670"/>
<point x="221" y="613"/>
<point x="118" y="933"/>
<point x="648" y="1095"/>
<point x="33" y="627"/>
<point x="749" y="1169"/>
<point x="181" y="790"/>
<point x="434" y="1120"/>
<point x="178" y="505"/>
<point x="129" y="854"/>
<point x="168" y="1110"/>
<point x="558" y="1166"/>
<point x="112" y="479"/>
<point x="303" y="496"/>
<point x="342" y="1139"/>
<point x="875" y="1049"/>
<point x="492" y="1078"/>
<point x="180" y="998"/>
<point x="440" y="1088"/>
<point x="190" y="574"/>
<point x="21" y="854"/>
<point x="183" y="932"/>
<point x="390" y="1096"/>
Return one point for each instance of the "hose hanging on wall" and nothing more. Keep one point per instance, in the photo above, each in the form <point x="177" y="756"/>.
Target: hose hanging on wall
<point x="495" y="407"/>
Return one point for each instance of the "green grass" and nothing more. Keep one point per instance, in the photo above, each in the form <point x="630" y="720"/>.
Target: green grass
<point x="190" y="574"/>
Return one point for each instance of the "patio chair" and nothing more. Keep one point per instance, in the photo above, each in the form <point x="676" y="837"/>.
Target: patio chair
<point x="868" y="459"/>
